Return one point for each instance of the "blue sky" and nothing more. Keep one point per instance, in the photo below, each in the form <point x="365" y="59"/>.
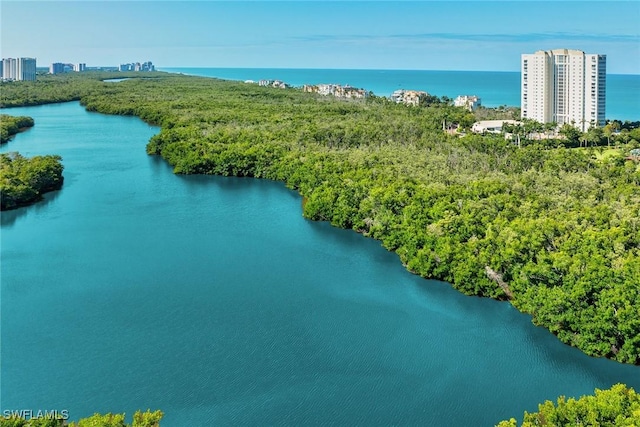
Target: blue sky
<point x="424" y="35"/>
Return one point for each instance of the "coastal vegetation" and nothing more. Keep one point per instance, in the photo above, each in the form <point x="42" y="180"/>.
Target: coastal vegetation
<point x="617" y="406"/>
<point x="553" y="226"/>
<point x="11" y="125"/>
<point x="23" y="180"/>
<point x="140" y="419"/>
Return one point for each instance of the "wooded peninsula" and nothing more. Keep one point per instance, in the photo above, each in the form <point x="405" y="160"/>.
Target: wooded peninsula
<point x="10" y="126"/>
<point x="547" y="224"/>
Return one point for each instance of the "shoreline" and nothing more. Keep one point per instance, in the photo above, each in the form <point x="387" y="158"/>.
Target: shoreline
<point x="277" y="73"/>
<point x="313" y="193"/>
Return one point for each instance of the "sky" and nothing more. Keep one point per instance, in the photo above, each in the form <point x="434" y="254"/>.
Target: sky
<point x="415" y="35"/>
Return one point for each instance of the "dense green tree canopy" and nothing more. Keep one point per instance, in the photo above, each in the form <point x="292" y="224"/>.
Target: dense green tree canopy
<point x="10" y="125"/>
<point x="616" y="407"/>
<point x="23" y="180"/>
<point x="140" y="419"/>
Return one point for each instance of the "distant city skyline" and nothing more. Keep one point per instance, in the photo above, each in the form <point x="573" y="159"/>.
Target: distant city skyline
<point x="419" y="35"/>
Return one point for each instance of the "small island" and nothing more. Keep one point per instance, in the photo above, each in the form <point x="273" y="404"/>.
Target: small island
<point x="23" y="180"/>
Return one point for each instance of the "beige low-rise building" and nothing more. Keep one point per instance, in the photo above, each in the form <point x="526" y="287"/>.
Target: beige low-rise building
<point x="490" y="126"/>
<point x="470" y="102"/>
<point x="274" y="83"/>
<point x="408" y="97"/>
<point x="336" y="90"/>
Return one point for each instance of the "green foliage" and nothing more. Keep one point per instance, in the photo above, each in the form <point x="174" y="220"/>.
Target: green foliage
<point x="140" y="419"/>
<point x="23" y="180"/>
<point x="41" y="421"/>
<point x="556" y="230"/>
<point x="571" y="133"/>
<point x="617" y="406"/>
<point x="48" y="89"/>
<point x="10" y="125"/>
<point x="13" y="421"/>
<point x="147" y="418"/>
<point x="497" y="113"/>
<point x="99" y="420"/>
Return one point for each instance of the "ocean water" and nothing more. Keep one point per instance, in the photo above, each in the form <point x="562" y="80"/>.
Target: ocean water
<point x="494" y="88"/>
<point x="214" y="300"/>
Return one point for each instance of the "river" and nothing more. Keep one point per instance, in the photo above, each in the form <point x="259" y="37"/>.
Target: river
<point x="214" y="300"/>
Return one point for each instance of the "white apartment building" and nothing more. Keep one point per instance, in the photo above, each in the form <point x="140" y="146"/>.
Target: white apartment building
<point x="564" y="86"/>
<point x="19" y="69"/>
<point x="9" y="67"/>
<point x="471" y="103"/>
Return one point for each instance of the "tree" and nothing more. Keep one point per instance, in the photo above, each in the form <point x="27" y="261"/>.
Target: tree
<point x="610" y="129"/>
<point x="593" y="136"/>
<point x="571" y="134"/>
<point x="617" y="406"/>
<point x="550" y="127"/>
<point x="147" y="419"/>
<point x="531" y="126"/>
<point x="140" y="419"/>
<point x="23" y="180"/>
<point x="515" y="129"/>
<point x="11" y="125"/>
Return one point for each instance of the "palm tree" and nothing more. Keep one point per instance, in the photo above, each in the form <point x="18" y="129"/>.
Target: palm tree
<point x="550" y="127"/>
<point x="583" y="139"/>
<point x="594" y="135"/>
<point x="609" y="129"/>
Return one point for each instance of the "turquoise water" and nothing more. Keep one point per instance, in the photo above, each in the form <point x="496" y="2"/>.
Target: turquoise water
<point x="495" y="88"/>
<point x="212" y="299"/>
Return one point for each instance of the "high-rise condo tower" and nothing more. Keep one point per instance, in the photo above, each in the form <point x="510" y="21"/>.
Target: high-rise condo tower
<point x="564" y="86"/>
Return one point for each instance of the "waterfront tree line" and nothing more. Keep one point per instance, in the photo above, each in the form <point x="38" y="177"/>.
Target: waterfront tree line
<point x="10" y="125"/>
<point x="615" y="407"/>
<point x="552" y="226"/>
<point x="23" y="180"/>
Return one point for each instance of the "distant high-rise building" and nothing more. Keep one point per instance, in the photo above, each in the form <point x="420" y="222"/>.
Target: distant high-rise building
<point x="9" y="68"/>
<point x="26" y="69"/>
<point x="18" y="69"/>
<point x="56" y="68"/>
<point x="80" y="67"/>
<point x="137" y="66"/>
<point x="564" y="86"/>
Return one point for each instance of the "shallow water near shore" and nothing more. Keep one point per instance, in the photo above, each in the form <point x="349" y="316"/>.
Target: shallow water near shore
<point x="212" y="299"/>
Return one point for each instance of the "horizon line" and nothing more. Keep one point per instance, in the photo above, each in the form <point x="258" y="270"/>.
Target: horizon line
<point x="159" y="68"/>
<point x="359" y="69"/>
